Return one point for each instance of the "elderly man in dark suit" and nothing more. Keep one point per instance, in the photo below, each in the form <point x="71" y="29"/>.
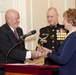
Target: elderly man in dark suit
<point x="8" y="39"/>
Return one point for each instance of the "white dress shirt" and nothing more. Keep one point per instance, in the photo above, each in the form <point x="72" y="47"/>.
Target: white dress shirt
<point x="28" y="53"/>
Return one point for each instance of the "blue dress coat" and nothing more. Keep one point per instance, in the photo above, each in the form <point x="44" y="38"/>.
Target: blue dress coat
<point x="66" y="56"/>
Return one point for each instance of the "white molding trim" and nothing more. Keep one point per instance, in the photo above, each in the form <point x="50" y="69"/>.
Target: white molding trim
<point x="49" y="3"/>
<point x="65" y="5"/>
<point x="31" y="16"/>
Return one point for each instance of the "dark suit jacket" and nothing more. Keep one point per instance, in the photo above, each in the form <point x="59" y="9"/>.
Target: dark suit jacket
<point x="66" y="56"/>
<point x="7" y="41"/>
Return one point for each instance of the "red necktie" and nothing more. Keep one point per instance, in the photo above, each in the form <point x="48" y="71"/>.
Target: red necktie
<point x="16" y="34"/>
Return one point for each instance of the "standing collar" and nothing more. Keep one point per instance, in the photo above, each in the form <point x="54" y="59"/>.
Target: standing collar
<point x="54" y="25"/>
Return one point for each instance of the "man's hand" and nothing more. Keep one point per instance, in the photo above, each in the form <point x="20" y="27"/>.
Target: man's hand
<point x="35" y="54"/>
<point x="45" y="51"/>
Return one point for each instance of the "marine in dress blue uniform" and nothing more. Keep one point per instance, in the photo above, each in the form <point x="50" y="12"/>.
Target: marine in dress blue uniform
<point x="49" y="38"/>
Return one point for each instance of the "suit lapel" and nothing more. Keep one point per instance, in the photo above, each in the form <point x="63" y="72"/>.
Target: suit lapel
<point x="10" y="32"/>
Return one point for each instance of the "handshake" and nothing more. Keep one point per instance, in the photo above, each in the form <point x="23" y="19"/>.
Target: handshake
<point x="41" y="52"/>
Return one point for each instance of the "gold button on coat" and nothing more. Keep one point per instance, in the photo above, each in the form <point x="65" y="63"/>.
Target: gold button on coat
<point x="52" y="46"/>
<point x="52" y="29"/>
<point x="53" y="41"/>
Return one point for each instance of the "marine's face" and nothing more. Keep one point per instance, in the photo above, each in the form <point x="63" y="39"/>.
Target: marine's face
<point x="52" y="17"/>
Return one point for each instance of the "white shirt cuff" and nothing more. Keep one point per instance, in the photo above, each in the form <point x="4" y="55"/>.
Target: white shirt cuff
<point x="28" y="54"/>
